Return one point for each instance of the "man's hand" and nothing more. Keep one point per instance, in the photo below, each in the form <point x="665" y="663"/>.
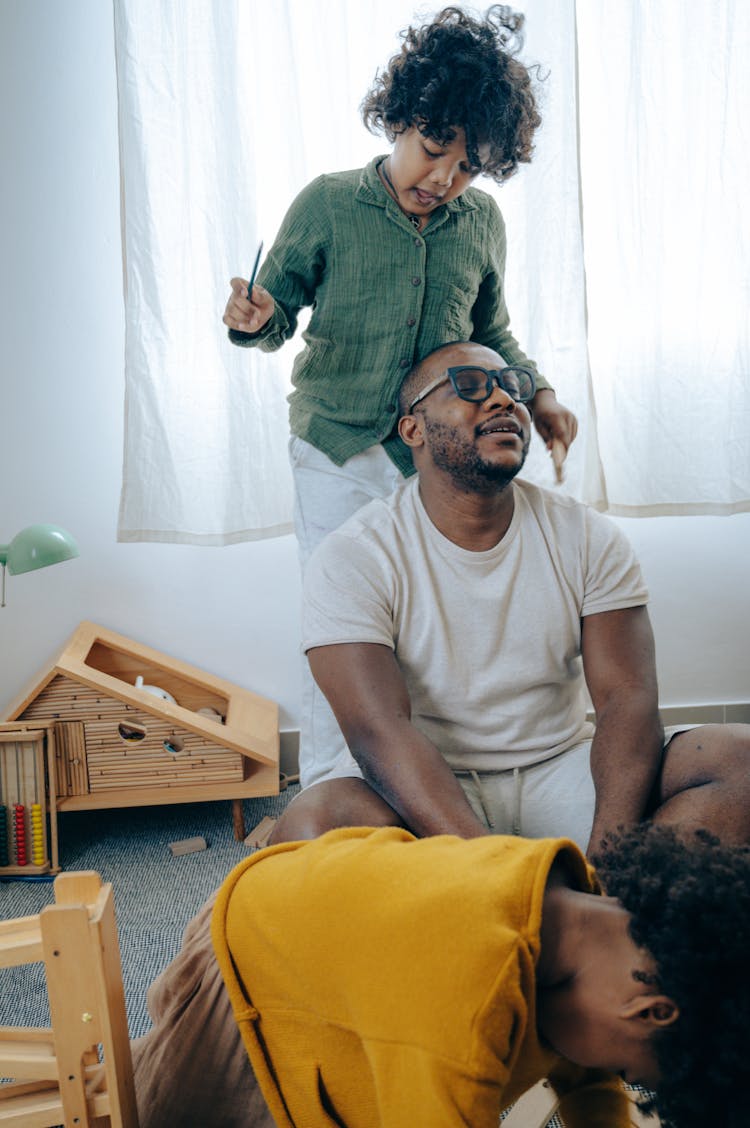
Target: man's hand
<point x="367" y="692"/>
<point x="244" y="315"/>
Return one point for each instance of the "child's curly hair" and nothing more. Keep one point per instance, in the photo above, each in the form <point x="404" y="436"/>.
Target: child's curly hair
<point x="461" y="72"/>
<point x="690" y="904"/>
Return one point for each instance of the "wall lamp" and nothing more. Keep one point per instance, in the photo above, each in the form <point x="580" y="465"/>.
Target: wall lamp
<point x="34" y="547"/>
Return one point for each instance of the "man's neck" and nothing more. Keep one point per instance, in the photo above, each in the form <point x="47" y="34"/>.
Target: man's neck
<point x="474" y="521"/>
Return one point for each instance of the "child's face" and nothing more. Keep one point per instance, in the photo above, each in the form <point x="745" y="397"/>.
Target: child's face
<point x="426" y="174"/>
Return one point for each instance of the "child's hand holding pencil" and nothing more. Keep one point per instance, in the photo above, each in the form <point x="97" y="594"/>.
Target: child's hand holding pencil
<point x="249" y="306"/>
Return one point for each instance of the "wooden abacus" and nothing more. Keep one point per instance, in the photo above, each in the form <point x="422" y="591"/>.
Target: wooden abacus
<point x="28" y="808"/>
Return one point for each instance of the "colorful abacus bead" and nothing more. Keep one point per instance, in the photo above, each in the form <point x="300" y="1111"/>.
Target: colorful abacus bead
<point x="37" y="835"/>
<point x="19" y="818"/>
<point x="3" y="836"/>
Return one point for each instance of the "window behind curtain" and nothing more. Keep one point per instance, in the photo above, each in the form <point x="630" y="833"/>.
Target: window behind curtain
<point x="664" y="103"/>
<point x="228" y="108"/>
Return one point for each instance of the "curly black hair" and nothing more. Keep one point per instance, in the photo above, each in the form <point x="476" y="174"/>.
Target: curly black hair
<point x="690" y="905"/>
<point x="461" y="72"/>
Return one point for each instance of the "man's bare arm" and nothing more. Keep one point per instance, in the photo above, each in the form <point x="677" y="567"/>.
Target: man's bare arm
<point x="620" y="670"/>
<point x="366" y="690"/>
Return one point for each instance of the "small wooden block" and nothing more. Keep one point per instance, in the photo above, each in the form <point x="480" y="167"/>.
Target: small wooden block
<point x="260" y="834"/>
<point x="187" y="846"/>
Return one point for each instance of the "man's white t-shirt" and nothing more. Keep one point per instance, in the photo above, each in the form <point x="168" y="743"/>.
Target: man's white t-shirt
<point x="489" y="643"/>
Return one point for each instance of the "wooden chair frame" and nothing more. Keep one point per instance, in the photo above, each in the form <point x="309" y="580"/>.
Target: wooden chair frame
<point x="57" y="1073"/>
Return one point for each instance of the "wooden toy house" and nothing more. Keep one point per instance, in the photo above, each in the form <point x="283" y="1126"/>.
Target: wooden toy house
<point x="119" y="745"/>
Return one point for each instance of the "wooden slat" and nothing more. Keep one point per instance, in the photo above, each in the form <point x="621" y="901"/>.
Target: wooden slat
<point x="52" y="800"/>
<point x="143" y="750"/>
<point x="121" y="773"/>
<point x="29" y="1054"/>
<point x="20" y="941"/>
<point x="142" y="783"/>
<point x="261" y="781"/>
<point x="30" y="1106"/>
<point x="71" y="750"/>
<point x="74" y="1007"/>
<point x="108" y="974"/>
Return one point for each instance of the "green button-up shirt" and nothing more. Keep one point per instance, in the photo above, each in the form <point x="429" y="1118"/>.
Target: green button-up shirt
<point x="383" y="295"/>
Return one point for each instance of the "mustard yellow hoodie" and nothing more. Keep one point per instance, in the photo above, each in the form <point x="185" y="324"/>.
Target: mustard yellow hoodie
<point x="385" y="981"/>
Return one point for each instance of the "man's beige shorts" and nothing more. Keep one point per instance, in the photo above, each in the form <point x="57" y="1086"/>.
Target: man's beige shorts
<point x="548" y="800"/>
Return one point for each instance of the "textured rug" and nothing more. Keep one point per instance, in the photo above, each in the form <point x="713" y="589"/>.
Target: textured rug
<point x="156" y="894"/>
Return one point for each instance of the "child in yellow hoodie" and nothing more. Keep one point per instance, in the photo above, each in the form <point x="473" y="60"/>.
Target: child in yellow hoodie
<point x="384" y="981"/>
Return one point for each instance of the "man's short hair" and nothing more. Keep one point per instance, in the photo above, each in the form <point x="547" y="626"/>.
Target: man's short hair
<point x="418" y="376"/>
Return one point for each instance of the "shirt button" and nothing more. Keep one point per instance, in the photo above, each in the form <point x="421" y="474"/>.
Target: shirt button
<point x="416" y="281"/>
<point x="404" y="363"/>
<point x="390" y="408"/>
<point x="417" y="242"/>
<point x="411" y="322"/>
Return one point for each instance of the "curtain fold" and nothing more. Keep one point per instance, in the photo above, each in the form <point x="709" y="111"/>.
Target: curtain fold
<point x="664" y="97"/>
<point x="205" y="424"/>
<point x="227" y="108"/>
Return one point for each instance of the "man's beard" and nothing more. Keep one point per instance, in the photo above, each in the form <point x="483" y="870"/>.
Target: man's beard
<point x="469" y="472"/>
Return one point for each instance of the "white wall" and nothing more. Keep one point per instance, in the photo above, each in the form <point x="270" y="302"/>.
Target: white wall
<point x="232" y="611"/>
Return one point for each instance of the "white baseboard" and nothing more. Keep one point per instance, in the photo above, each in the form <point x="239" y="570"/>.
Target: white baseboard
<point x="734" y="712"/>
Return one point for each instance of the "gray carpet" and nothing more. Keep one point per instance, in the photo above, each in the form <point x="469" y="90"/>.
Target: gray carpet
<point x="155" y="894"/>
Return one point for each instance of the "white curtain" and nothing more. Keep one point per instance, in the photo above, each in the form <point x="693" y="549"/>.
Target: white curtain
<point x="664" y="104"/>
<point x="229" y="107"/>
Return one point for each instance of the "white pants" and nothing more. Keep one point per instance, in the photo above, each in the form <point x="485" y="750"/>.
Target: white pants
<point x="326" y="495"/>
<point x="552" y="799"/>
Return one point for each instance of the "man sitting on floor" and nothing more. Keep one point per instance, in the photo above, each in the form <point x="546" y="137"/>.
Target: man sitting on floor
<point x="385" y="981"/>
<point x="463" y="729"/>
<point x="455" y="627"/>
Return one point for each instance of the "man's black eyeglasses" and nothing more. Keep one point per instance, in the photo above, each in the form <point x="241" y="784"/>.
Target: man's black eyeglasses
<point x="473" y="383"/>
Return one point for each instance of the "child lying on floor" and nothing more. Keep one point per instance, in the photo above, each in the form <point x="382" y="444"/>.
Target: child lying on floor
<point x="380" y="981"/>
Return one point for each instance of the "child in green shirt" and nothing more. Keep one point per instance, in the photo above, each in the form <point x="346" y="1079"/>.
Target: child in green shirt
<point x="394" y="260"/>
<point x="404" y="255"/>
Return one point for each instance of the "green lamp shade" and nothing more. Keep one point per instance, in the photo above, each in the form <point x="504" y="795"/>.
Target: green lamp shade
<point x="36" y="547"/>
